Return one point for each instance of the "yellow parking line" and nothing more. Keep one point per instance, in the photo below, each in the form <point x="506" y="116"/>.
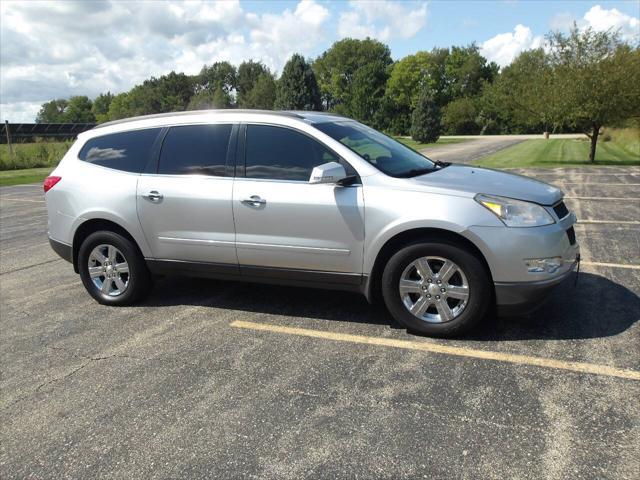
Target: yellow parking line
<point x="605" y="198"/>
<point x="595" y="183"/>
<point x="593" y="174"/>
<point x="425" y="346"/>
<point x="4" y="199"/>
<point x="588" y="221"/>
<point x="614" y="265"/>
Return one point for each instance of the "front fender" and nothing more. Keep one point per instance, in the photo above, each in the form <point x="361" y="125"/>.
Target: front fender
<point x="389" y="214"/>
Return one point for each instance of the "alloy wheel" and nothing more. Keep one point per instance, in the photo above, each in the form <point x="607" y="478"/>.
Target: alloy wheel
<point x="434" y="289"/>
<point x="109" y="270"/>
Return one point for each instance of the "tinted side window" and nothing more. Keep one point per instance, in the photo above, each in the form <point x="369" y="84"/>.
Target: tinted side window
<point x="127" y="151"/>
<point x="283" y="154"/>
<point x="195" y="150"/>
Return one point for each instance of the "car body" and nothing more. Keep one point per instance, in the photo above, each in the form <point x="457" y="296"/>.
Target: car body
<point x="254" y="213"/>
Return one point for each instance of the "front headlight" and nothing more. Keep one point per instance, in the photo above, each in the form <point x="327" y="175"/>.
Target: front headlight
<point x="515" y="213"/>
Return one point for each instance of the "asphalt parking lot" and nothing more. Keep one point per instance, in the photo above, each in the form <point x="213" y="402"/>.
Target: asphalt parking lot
<point x="228" y="380"/>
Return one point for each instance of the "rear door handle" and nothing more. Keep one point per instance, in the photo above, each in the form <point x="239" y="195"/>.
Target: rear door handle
<point x="154" y="196"/>
<point x="254" y="201"/>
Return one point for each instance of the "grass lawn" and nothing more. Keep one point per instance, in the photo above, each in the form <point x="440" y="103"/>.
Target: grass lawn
<point x="562" y="153"/>
<point x="409" y="142"/>
<point x="27" y="175"/>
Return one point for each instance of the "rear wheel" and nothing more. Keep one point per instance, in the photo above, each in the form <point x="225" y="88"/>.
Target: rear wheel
<point x="112" y="269"/>
<point x="437" y="289"/>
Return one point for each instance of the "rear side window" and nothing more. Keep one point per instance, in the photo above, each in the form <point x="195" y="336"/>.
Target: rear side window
<point x="283" y="154"/>
<point x="126" y="151"/>
<point x="195" y="150"/>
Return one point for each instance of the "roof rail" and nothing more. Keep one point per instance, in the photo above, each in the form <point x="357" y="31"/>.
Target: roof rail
<point x="200" y="112"/>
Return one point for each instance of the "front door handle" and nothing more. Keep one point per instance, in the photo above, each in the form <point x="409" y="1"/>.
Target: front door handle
<point x="154" y="196"/>
<point x="254" y="201"/>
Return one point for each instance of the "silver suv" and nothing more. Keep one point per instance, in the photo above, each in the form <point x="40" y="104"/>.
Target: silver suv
<point x="305" y="199"/>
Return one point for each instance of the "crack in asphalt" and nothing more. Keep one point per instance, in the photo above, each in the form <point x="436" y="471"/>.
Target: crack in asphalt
<point x="89" y="361"/>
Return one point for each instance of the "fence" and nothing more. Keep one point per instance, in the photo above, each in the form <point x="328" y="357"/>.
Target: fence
<point x="28" y="132"/>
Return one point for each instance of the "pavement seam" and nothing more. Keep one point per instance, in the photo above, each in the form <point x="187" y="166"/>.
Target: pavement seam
<point x="31" y="266"/>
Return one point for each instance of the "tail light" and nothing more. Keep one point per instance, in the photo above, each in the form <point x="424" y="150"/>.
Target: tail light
<point x="50" y="182"/>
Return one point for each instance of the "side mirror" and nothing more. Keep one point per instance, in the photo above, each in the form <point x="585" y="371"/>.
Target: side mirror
<point x="331" y="172"/>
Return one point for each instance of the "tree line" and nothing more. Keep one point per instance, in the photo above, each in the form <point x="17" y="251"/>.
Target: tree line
<point x="579" y="81"/>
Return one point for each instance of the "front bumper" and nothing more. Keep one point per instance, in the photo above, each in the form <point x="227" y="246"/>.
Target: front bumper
<point x="519" y="298"/>
<point x="507" y="249"/>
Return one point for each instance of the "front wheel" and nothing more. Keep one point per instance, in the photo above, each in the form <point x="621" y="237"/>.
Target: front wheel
<point x="438" y="289"/>
<point x="112" y="269"/>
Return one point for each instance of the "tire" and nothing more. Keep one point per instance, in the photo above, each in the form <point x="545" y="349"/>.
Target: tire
<point x="451" y="314"/>
<point x="129" y="279"/>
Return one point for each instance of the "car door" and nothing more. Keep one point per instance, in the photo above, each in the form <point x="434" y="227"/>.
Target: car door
<point x="184" y="204"/>
<point x="286" y="226"/>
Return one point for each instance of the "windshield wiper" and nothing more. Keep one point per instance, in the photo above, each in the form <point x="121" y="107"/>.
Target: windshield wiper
<point x="416" y="172"/>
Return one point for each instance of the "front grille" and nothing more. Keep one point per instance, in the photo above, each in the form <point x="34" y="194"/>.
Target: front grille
<point x="561" y="210"/>
<point x="571" y="234"/>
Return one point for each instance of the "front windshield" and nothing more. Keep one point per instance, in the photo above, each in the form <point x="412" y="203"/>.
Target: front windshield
<point x="384" y="153"/>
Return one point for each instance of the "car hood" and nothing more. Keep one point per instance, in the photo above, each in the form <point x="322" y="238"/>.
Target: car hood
<point x="492" y="182"/>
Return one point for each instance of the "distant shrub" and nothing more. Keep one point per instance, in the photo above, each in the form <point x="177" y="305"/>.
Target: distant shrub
<point x="459" y="117"/>
<point x="426" y="120"/>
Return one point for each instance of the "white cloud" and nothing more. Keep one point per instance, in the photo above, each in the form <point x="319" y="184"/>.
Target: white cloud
<point x="274" y="38"/>
<point x="561" y="21"/>
<point x="504" y="47"/>
<point x="382" y="19"/>
<point x="58" y="49"/>
<point x="19" y="112"/>
<point x="601" y="19"/>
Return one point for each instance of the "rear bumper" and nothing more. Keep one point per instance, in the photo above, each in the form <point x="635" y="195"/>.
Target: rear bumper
<point x="62" y="249"/>
<point x="520" y="298"/>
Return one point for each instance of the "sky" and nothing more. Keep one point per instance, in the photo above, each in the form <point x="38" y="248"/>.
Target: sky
<point x="56" y="49"/>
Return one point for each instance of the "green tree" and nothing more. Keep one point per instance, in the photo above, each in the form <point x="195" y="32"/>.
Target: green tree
<point x="119" y="107"/>
<point x="459" y="117"/>
<point x="100" y="107"/>
<point x="392" y="118"/>
<point x="174" y="92"/>
<point x="142" y="99"/>
<point x="466" y="71"/>
<point x="247" y="77"/>
<point x="219" y="76"/>
<point x="413" y="72"/>
<point x="343" y="89"/>
<point x="263" y="93"/>
<point x="297" y="88"/>
<point x="525" y="92"/>
<point x="168" y="93"/>
<point x="206" y="99"/>
<point x="598" y="78"/>
<point x="368" y="90"/>
<point x="426" y="118"/>
<point x="449" y="73"/>
<point x="79" y="110"/>
<point x="53" y="111"/>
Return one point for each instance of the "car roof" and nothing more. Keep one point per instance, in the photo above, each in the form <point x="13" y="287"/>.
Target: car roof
<point x="309" y="116"/>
